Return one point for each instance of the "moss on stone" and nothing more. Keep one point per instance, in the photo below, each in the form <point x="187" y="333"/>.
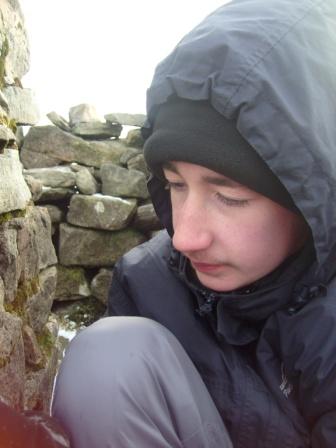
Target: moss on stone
<point x="8" y="122"/>
<point x="74" y="274"/>
<point x="3" y="54"/>
<point x="4" y="360"/>
<point x="8" y="216"/>
<point x="88" y="312"/>
<point x="46" y="342"/>
<point x="24" y="291"/>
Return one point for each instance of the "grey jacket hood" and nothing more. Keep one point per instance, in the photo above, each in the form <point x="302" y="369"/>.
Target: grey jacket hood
<point x="271" y="66"/>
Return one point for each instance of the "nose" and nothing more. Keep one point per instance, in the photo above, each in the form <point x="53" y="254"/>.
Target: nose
<point x="192" y="232"/>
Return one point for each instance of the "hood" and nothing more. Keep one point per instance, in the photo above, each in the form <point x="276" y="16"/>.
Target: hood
<point x="271" y="66"/>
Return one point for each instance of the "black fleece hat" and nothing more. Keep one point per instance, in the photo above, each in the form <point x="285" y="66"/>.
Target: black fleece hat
<point x="194" y="132"/>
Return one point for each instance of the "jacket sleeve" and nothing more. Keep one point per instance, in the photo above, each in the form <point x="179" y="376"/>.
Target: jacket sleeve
<point x="309" y="351"/>
<point x="120" y="301"/>
<point x="30" y="430"/>
<point x="324" y="431"/>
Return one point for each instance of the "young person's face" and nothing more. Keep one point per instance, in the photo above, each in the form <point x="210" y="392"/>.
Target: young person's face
<point x="232" y="235"/>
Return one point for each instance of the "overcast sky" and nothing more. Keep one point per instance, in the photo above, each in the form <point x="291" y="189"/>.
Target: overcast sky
<point x="102" y="52"/>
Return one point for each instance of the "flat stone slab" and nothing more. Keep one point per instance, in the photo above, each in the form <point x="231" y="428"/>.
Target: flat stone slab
<point x="47" y="146"/>
<point x="97" y="130"/>
<point x="101" y="212"/>
<point x="95" y="248"/>
<point x="126" y="119"/>
<point x="118" y="181"/>
<point x="14" y="192"/>
<point x="59" y="121"/>
<point x="55" y="177"/>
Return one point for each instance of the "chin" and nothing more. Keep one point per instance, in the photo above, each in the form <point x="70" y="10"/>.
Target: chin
<point x="218" y="284"/>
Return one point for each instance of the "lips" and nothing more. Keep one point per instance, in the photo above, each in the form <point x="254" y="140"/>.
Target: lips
<point x="205" y="267"/>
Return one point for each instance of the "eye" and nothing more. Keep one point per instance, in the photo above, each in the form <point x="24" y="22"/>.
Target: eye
<point x="176" y="186"/>
<point x="232" y="202"/>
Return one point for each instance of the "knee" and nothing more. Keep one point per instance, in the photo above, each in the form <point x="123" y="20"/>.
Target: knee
<point x="113" y="345"/>
<point x="110" y="355"/>
<point x="112" y="335"/>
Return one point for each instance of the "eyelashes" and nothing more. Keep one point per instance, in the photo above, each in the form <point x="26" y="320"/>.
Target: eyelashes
<point x="225" y="200"/>
<point x="231" y="202"/>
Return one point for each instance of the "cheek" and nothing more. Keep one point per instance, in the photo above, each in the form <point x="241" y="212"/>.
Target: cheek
<point x="276" y="236"/>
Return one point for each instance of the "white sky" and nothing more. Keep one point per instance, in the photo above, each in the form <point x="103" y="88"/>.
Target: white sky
<point x="102" y="52"/>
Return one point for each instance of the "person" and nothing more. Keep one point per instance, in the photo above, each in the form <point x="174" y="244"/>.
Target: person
<point x="223" y="327"/>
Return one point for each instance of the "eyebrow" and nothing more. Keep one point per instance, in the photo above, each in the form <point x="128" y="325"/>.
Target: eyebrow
<point x="216" y="179"/>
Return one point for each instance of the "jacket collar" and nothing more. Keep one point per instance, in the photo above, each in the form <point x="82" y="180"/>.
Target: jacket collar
<point x="240" y="315"/>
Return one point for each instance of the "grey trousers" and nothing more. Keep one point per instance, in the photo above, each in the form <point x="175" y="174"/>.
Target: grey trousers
<point x="126" y="382"/>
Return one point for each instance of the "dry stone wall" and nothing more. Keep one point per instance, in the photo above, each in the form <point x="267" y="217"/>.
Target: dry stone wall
<point x="73" y="199"/>
<point x="28" y="273"/>
<point x="93" y="182"/>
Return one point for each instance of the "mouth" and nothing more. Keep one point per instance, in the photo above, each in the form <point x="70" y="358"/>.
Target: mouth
<point x="205" y="267"/>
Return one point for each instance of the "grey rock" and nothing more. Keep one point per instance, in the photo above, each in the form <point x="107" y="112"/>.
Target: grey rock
<point x="33" y="353"/>
<point x="38" y="306"/>
<point x="76" y="168"/>
<point x="59" y="121"/>
<point x="22" y="105"/>
<point x="39" y="382"/>
<point x="100" y="212"/>
<point x="7" y="138"/>
<point x="4" y="102"/>
<point x="14" y="192"/>
<point x="12" y="365"/>
<point x="34" y="244"/>
<point x="118" y="181"/>
<point x="9" y="269"/>
<point x="100" y="285"/>
<point x="35" y="186"/>
<point x="55" y="194"/>
<point x="97" y="130"/>
<point x="127" y="156"/>
<point x="40" y="224"/>
<point x="146" y="219"/>
<point x="126" y="119"/>
<point x="55" y="177"/>
<point x="2" y="295"/>
<point x="83" y="113"/>
<point x="138" y="163"/>
<point x="72" y="284"/>
<point x="46" y="146"/>
<point x="86" y="183"/>
<point x="134" y="138"/>
<point x="92" y="248"/>
<point x="56" y="214"/>
<point x="13" y="40"/>
<point x="25" y="249"/>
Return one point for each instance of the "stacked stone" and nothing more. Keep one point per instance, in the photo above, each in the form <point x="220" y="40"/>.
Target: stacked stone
<point x="28" y="334"/>
<point x="93" y="183"/>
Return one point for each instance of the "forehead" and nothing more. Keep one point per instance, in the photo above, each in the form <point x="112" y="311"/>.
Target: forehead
<point x="200" y="173"/>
